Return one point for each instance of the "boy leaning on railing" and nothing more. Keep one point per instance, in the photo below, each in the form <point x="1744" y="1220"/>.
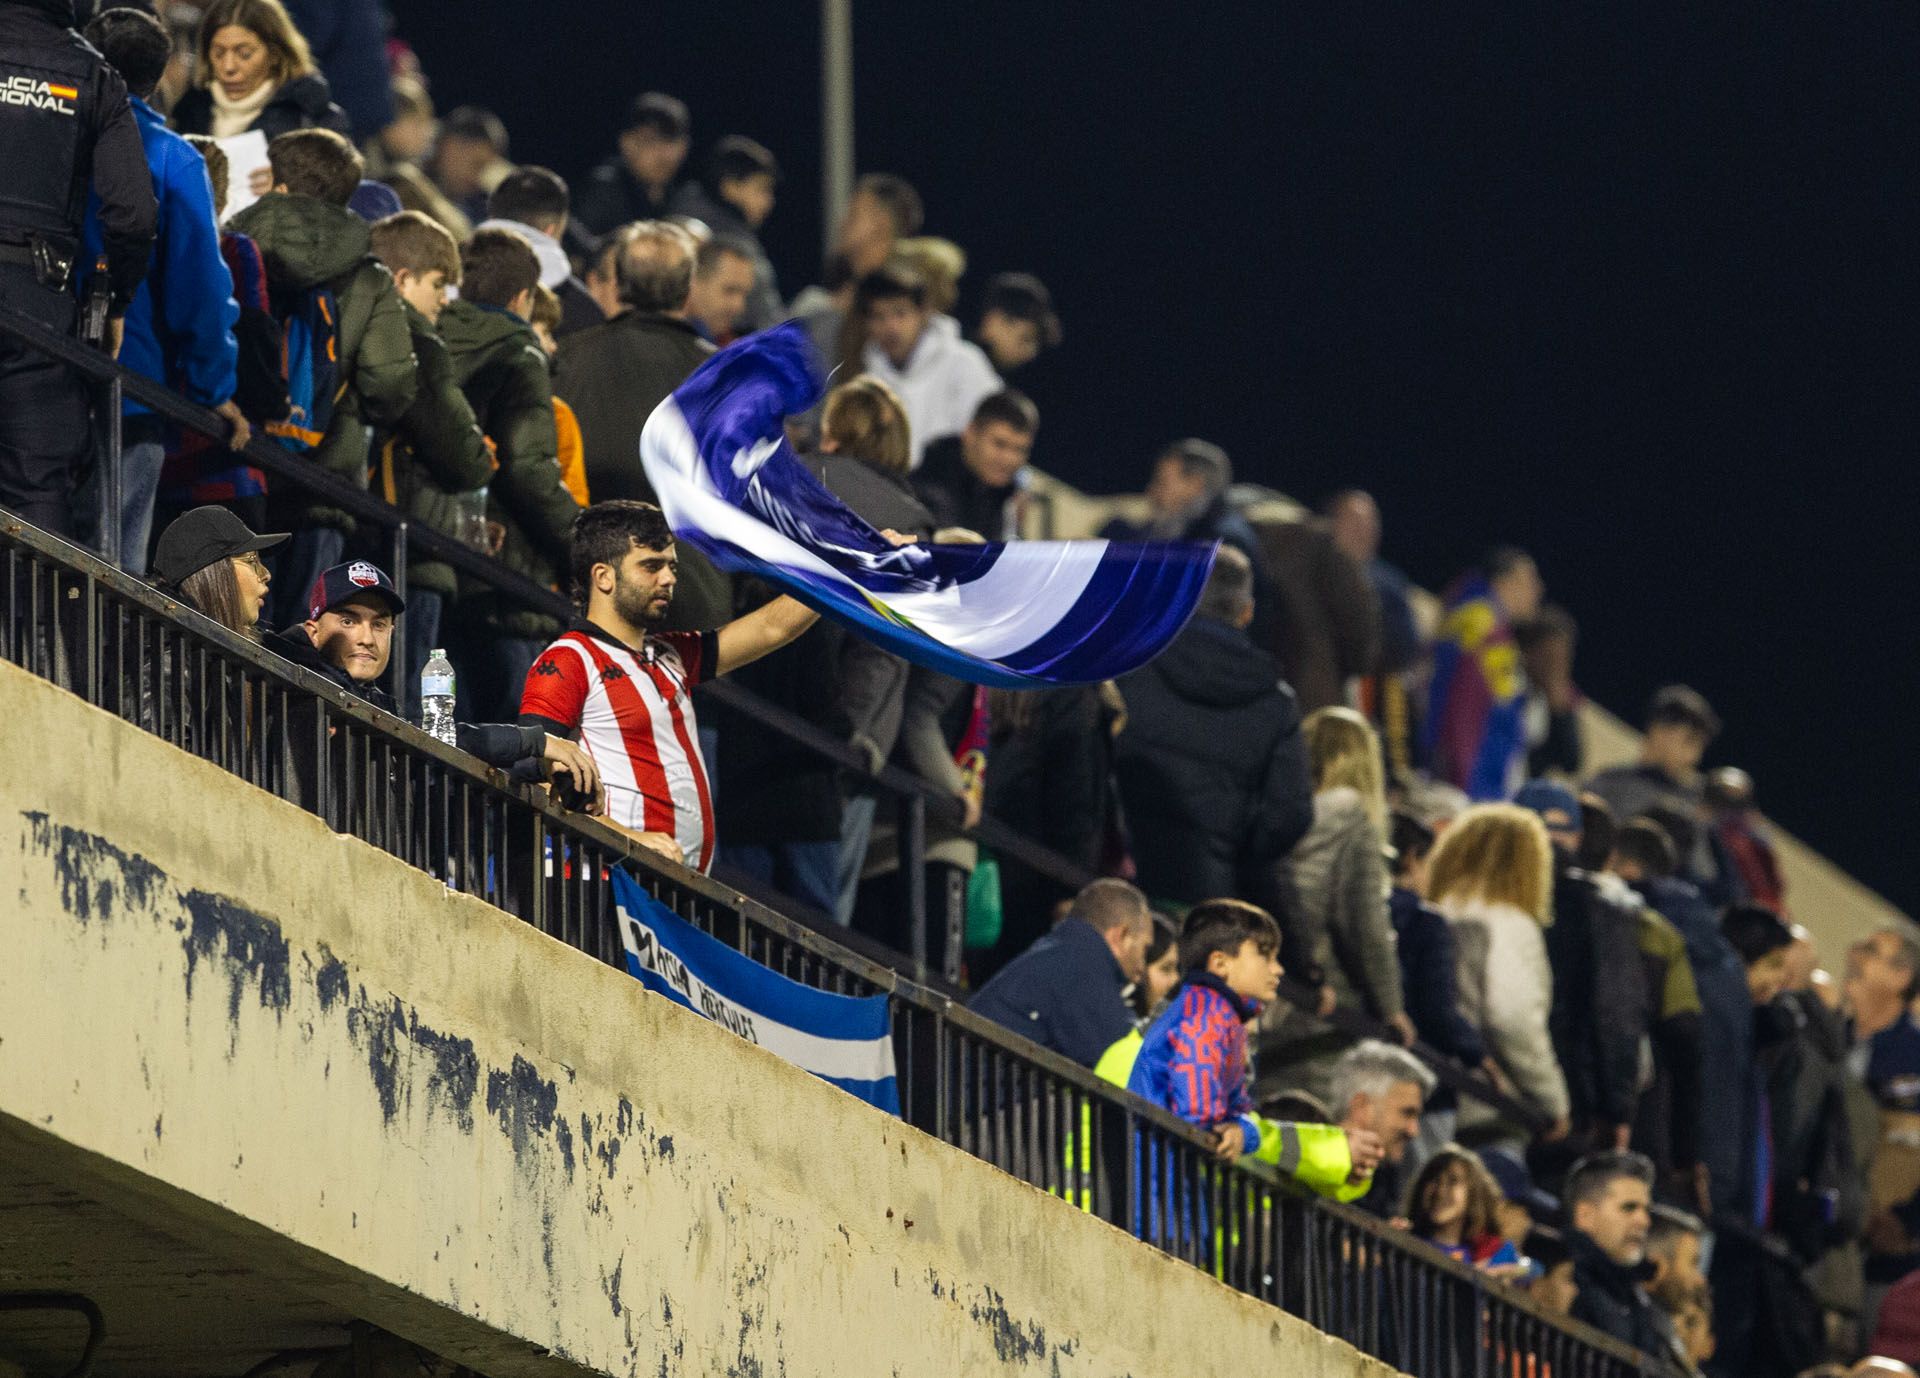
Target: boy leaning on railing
<point x="1192" y="1059"/>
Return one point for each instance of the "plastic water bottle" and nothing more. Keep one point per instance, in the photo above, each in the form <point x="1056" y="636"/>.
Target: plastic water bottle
<point x="472" y="524"/>
<point x="436" y="697"/>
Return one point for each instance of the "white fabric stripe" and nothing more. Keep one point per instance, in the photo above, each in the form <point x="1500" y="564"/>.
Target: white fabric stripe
<point x="701" y="858"/>
<point x="1007" y="610"/>
<point x="850" y="1059"/>
<point x="601" y="736"/>
<point x="674" y="765"/>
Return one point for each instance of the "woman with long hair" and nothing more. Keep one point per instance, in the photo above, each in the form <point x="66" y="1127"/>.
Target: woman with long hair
<point x="1152" y="991"/>
<point x="1454" y="1205"/>
<point x="254" y="70"/>
<point x="1491" y="875"/>
<point x="210" y="559"/>
<point x="1339" y="929"/>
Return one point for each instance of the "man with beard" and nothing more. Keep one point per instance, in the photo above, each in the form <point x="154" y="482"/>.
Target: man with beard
<point x="624" y="690"/>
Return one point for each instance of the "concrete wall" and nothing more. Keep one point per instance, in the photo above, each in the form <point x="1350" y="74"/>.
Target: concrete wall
<point x="282" y="1046"/>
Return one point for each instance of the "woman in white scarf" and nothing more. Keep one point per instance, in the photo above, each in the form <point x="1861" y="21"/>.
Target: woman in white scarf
<point x="254" y="71"/>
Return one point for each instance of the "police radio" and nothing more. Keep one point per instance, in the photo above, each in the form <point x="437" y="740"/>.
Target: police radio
<point x="93" y="318"/>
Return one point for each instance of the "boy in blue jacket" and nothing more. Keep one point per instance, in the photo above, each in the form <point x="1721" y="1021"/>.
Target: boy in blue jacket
<point x="179" y="326"/>
<point x="1193" y="1058"/>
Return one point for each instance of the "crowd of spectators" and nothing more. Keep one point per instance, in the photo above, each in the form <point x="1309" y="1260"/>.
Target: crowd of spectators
<point x="1704" y="1144"/>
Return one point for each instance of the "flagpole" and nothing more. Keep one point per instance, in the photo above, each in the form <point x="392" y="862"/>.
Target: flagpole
<point x="836" y="115"/>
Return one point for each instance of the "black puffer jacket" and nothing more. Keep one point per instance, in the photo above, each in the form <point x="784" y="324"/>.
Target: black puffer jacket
<point x="1212" y="767"/>
<point x="1602" y="1006"/>
<point x="303" y="103"/>
<point x="613" y="375"/>
<point x="1613" y="1301"/>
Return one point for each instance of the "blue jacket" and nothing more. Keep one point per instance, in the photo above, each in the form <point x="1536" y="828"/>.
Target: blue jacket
<point x="1400" y="642"/>
<point x="1193" y="1060"/>
<point x="1726" y="1034"/>
<point x="349" y="41"/>
<point x="1063" y="993"/>
<point x="179" y="328"/>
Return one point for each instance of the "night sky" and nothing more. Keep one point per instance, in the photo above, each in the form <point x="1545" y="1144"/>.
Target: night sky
<point x="1630" y="285"/>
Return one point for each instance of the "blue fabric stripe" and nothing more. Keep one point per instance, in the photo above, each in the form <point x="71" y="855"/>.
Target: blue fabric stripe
<point x="903" y="641"/>
<point x="882" y="1095"/>
<point x="762" y="989"/>
<point x="860" y="1021"/>
<point x="1103" y="632"/>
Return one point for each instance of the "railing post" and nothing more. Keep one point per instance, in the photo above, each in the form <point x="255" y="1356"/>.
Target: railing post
<point x="913" y="869"/>
<point x="953" y="908"/>
<point x="110" y="478"/>
<point x="1482" y="1337"/>
<point x="397" y="665"/>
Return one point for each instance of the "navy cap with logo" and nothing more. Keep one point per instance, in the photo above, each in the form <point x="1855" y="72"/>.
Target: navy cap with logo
<point x="345" y="582"/>
<point x="196" y="539"/>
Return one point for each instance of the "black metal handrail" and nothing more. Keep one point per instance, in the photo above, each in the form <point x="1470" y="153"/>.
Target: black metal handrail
<point x="919" y="801"/>
<point x="131" y="651"/>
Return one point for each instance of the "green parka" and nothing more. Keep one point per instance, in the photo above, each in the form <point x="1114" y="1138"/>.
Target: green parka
<point x="503" y="371"/>
<point x="308" y="243"/>
<point x="433" y="455"/>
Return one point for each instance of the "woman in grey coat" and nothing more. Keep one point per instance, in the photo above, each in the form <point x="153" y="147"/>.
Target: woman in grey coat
<point x="1335" y="887"/>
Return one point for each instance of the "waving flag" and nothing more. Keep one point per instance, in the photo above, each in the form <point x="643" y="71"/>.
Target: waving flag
<point x="1015" y="615"/>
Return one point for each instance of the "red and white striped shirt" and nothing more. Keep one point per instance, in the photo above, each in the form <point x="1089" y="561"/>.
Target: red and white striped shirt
<point x="634" y="715"/>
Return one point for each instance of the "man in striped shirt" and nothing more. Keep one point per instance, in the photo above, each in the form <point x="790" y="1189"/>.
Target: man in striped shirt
<point x="623" y="690"/>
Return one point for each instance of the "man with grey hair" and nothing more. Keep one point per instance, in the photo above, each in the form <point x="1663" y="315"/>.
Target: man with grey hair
<point x="1068" y="991"/>
<point x="1187" y="501"/>
<point x="1609" y="1198"/>
<point x="614" y="374"/>
<point x="1381" y="1088"/>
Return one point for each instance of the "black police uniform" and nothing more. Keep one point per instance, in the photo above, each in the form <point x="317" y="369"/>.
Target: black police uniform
<point x="64" y="124"/>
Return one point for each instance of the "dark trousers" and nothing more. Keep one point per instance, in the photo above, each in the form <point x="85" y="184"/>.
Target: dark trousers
<point x="420" y="625"/>
<point x="491" y="676"/>
<point x="803" y="870"/>
<point x="43" y="409"/>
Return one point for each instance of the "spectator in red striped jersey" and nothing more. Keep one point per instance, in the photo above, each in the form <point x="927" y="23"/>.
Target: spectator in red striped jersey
<point x="623" y="690"/>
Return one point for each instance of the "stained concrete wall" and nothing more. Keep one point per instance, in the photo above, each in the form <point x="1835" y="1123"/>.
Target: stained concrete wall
<point x="284" y="1045"/>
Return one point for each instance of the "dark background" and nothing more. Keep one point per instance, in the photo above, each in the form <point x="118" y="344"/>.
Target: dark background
<point x="1629" y="286"/>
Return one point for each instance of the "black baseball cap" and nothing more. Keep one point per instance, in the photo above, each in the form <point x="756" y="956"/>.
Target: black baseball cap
<point x="1025" y="298"/>
<point x="656" y="110"/>
<point x="1681" y="706"/>
<point x="196" y="539"/>
<point x="343" y="582"/>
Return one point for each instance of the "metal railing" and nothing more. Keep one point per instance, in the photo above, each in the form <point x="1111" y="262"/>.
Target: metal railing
<point x="148" y="659"/>
<point x="917" y="802"/>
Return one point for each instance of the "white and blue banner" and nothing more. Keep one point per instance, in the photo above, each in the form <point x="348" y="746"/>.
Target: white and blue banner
<point x="844" y="1039"/>
<point x="1016" y="615"/>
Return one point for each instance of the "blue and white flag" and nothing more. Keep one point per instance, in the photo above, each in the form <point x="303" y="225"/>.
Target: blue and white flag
<point x="1015" y="615"/>
<point x="844" y="1039"/>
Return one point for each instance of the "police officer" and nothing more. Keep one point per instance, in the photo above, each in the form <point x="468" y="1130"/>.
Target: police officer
<point x="64" y="125"/>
